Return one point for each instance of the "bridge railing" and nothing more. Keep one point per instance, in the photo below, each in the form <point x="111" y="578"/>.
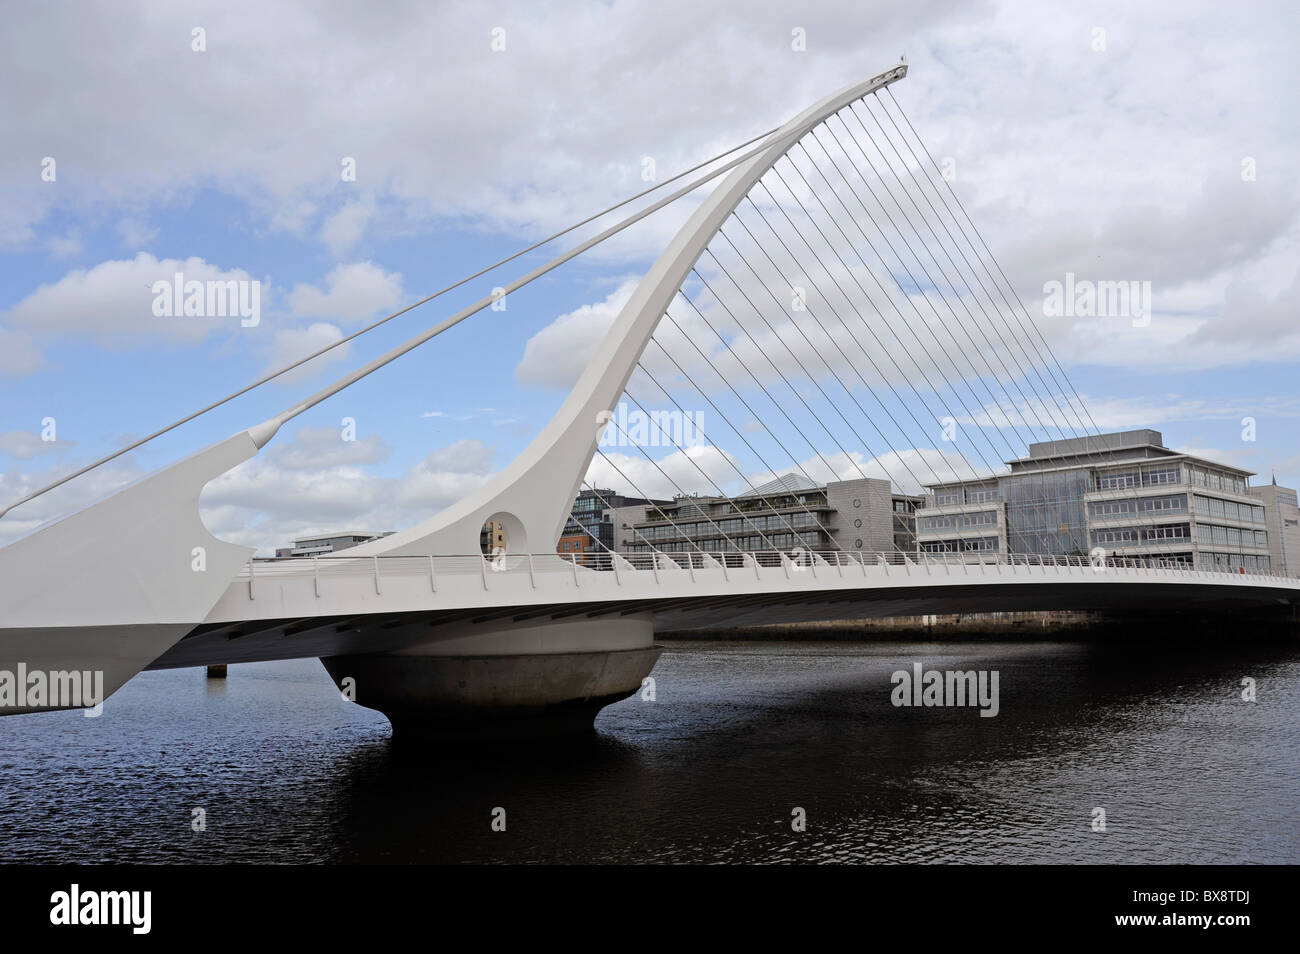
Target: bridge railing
<point x="664" y="566"/>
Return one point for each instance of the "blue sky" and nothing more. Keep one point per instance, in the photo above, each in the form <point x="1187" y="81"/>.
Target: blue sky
<point x="1119" y="162"/>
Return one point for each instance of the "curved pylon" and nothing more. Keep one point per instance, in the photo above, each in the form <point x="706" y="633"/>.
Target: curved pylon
<point x="534" y="494"/>
<point x="112" y="586"/>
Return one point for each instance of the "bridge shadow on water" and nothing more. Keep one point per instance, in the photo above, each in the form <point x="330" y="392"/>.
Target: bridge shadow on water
<point x="741" y="736"/>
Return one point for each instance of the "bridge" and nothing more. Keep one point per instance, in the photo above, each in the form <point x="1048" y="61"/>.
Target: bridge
<point x="826" y="272"/>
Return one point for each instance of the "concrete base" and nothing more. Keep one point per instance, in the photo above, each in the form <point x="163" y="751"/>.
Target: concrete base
<point x="434" y="691"/>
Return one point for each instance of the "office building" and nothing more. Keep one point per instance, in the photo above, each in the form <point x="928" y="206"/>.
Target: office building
<point x="328" y="543"/>
<point x="590" y="526"/>
<point x="864" y="515"/>
<point x="1283" y="519"/>
<point x="1124" y="492"/>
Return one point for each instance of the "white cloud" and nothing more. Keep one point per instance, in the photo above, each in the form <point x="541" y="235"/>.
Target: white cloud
<point x="135" y="233"/>
<point x="113" y="302"/>
<point x="344" y="228"/>
<point x="352" y="294"/>
<point x="556" y="356"/>
<point x="292" y="344"/>
<point x="66" y="246"/>
<point x="1113" y="414"/>
<point x="323" y="447"/>
<point x="24" y="445"/>
<point x="274" y="498"/>
<point x="706" y="469"/>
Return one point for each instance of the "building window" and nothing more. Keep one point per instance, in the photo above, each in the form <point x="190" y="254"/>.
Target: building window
<point x="1117" y="480"/>
<point x="1152" y="477"/>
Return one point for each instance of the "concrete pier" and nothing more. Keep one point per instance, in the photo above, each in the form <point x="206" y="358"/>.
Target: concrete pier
<point x="516" y="681"/>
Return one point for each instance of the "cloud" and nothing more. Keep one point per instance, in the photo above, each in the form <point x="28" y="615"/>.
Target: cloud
<point x="66" y="246"/>
<point x="276" y="497"/>
<point x="1126" y="413"/>
<point x="707" y="469"/>
<point x="292" y="344"/>
<point x="556" y="356"/>
<point x="344" y="228"/>
<point x="135" y="233"/>
<point x="1252" y="322"/>
<point x="534" y="148"/>
<point x="113" y="302"/>
<point x="323" y="447"/>
<point x="24" y="445"/>
<point x="352" y="294"/>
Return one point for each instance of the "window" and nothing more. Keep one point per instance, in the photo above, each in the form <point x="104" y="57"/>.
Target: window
<point x="1117" y="480"/>
<point x="1176" y="502"/>
<point x="1117" y="536"/>
<point x="1154" y="476"/>
<point x="974" y="545"/>
<point x="1111" y="508"/>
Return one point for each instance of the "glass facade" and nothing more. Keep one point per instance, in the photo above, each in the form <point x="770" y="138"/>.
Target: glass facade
<point x="1045" y="512"/>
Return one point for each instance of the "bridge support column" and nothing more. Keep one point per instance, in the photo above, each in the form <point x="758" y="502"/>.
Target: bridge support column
<point x="503" y="679"/>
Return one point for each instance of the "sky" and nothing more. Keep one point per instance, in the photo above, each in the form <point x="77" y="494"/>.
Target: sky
<point x="354" y="158"/>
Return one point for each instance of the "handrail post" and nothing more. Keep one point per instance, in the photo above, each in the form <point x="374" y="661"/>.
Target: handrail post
<point x="482" y="563"/>
<point x="375" y="558"/>
<point x="250" y="578"/>
<point x="573" y="559"/>
<point x="532" y="575"/>
<point x="315" y="573"/>
<point x="433" y="576"/>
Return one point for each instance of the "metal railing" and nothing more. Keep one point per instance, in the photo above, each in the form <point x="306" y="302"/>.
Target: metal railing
<point x="664" y="566"/>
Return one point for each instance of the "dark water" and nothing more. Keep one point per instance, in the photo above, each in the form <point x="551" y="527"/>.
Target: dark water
<point x="738" y="736"/>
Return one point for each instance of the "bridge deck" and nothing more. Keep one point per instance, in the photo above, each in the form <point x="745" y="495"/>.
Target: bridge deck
<point x="297" y="608"/>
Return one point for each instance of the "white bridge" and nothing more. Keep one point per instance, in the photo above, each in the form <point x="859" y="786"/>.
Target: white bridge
<point x="433" y="638"/>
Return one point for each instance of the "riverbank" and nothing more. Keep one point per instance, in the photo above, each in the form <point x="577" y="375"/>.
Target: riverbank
<point x="1028" y="626"/>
